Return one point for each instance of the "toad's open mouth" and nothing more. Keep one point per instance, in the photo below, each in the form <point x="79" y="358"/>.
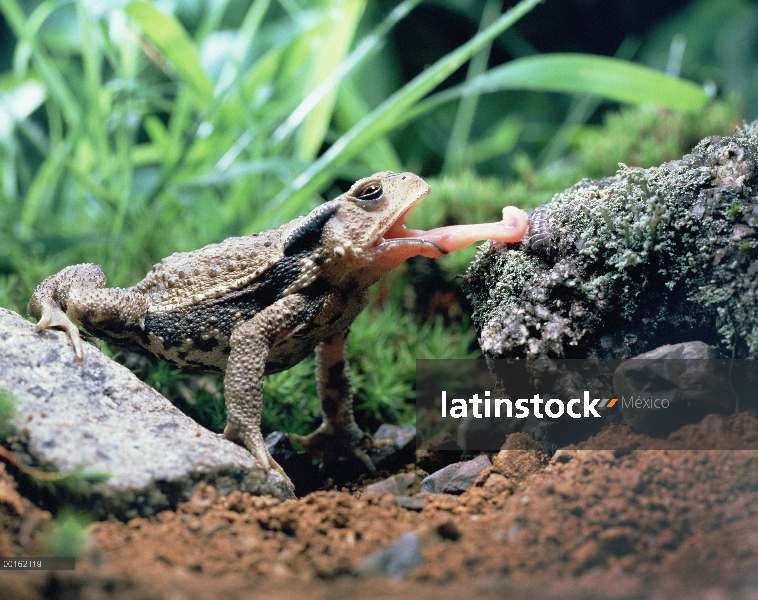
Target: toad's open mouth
<point x="454" y="237"/>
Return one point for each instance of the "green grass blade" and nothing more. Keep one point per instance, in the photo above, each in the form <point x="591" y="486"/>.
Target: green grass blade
<point x="173" y="41"/>
<point x="464" y="117"/>
<point x="327" y="59"/>
<point x="40" y="193"/>
<point x="280" y="166"/>
<point x="386" y="116"/>
<point x="502" y="140"/>
<point x="245" y="36"/>
<point x="369" y="46"/>
<point x="46" y="68"/>
<point x="213" y="15"/>
<point x="32" y="26"/>
<point x="611" y="78"/>
<point x="350" y="109"/>
<point x="582" y="107"/>
<point x="93" y="63"/>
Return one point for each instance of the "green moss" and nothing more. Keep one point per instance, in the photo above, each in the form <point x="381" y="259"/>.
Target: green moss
<point x="645" y="136"/>
<point x="733" y="212"/>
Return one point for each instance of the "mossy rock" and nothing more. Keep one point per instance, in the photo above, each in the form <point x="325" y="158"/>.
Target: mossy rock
<point x="619" y="266"/>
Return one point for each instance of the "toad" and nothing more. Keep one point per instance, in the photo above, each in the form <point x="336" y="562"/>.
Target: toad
<point x="259" y="304"/>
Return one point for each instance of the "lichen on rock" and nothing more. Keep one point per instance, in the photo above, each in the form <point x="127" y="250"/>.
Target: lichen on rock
<point x="619" y="266"/>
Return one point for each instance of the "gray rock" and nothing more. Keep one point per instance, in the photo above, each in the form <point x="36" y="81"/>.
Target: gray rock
<point x="436" y="482"/>
<point x="396" y="560"/>
<point x="400" y="452"/>
<point x="465" y="476"/>
<point x="455" y="478"/>
<point x="416" y="502"/>
<point x="402" y="435"/>
<point x="402" y="484"/>
<point x="687" y="376"/>
<point x="98" y="417"/>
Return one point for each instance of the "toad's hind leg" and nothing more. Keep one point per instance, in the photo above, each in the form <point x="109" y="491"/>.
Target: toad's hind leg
<point x="80" y="290"/>
<point x="338" y="434"/>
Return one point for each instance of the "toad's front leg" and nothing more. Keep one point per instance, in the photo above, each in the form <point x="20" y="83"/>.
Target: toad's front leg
<point x="250" y="345"/>
<point x="338" y="434"/>
<point x="80" y="290"/>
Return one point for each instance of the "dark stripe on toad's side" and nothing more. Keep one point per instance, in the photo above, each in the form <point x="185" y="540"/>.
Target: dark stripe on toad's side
<point x="308" y="235"/>
<point x="225" y="312"/>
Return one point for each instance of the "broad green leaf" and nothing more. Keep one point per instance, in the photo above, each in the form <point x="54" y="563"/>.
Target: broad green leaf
<point x="611" y="78"/>
<point x="175" y="44"/>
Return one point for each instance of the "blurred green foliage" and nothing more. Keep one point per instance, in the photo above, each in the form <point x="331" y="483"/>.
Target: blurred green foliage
<point x="7" y="410"/>
<point x="67" y="535"/>
<point x="712" y="41"/>
<point x="132" y="130"/>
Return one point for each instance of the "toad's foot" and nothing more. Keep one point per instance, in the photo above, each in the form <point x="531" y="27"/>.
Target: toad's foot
<point x="79" y="290"/>
<point x="332" y="442"/>
<point x="338" y="435"/>
<point x="49" y="314"/>
<point x="258" y="448"/>
<point x="45" y="306"/>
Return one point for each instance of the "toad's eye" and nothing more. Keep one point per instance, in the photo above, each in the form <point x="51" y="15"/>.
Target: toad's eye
<point x="369" y="195"/>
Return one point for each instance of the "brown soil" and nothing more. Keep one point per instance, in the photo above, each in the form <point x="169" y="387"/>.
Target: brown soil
<point x="591" y="523"/>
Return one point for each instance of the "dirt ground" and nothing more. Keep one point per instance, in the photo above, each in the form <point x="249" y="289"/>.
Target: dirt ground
<point x="587" y="524"/>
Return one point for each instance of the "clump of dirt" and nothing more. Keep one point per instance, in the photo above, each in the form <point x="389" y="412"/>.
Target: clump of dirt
<point x="520" y="457"/>
<point x="714" y="432"/>
<point x="595" y="523"/>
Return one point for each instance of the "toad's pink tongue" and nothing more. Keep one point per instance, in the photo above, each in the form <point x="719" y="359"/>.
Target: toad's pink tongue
<point x="454" y="237"/>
